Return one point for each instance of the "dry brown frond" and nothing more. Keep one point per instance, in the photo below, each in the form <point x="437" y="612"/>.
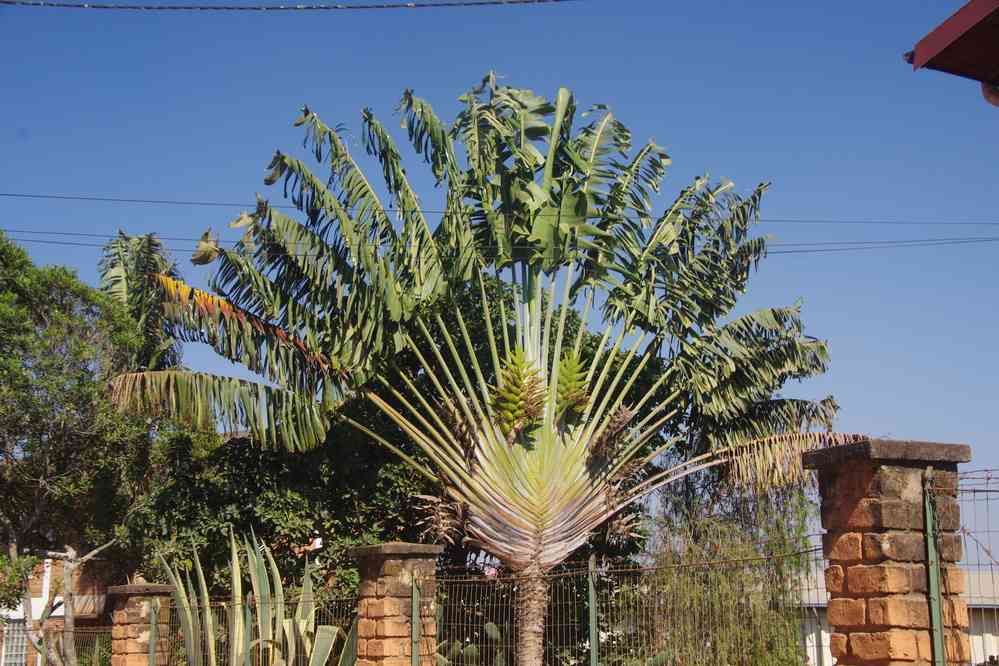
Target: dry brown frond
<point x="608" y="441"/>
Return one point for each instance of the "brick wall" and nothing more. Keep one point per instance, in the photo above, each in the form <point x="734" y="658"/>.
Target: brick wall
<point x="131" y="622"/>
<point x="384" y="607"/>
<point x="875" y="543"/>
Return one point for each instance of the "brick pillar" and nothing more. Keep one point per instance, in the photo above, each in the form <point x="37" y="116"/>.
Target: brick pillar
<point x="875" y="543"/>
<point x="384" y="605"/>
<point x="131" y="621"/>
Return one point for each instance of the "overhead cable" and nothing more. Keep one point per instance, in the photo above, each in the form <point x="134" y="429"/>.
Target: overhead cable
<point x="247" y="205"/>
<point x="885" y="246"/>
<point x="320" y="7"/>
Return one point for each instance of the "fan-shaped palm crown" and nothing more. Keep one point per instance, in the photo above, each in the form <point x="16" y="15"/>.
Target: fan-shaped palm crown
<point x="543" y="438"/>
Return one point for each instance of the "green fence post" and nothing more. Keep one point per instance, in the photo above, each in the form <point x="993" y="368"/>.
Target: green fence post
<point x="594" y="629"/>
<point x="349" y="655"/>
<point x="933" y="569"/>
<point x="154" y="629"/>
<point x="415" y="625"/>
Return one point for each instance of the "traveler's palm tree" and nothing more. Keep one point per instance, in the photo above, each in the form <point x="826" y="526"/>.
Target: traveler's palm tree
<point x="542" y="440"/>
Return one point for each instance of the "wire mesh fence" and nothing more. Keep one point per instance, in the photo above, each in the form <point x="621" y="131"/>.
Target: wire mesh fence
<point x="93" y="647"/>
<point x="765" y="610"/>
<point x="14" y="650"/>
<point x="768" y="610"/>
<point x="978" y="499"/>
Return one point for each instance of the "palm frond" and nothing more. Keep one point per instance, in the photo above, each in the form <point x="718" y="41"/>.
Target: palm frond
<point x="775" y="461"/>
<point x="127" y="274"/>
<point x="274" y="416"/>
<point x="416" y="253"/>
<point x="352" y="187"/>
<point x="244" y="338"/>
<point x="430" y="137"/>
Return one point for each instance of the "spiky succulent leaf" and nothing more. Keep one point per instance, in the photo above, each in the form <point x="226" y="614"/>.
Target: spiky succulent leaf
<point x="279" y="638"/>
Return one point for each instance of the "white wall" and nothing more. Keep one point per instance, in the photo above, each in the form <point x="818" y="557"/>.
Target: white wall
<point x="815" y="636"/>
<point x="984" y="633"/>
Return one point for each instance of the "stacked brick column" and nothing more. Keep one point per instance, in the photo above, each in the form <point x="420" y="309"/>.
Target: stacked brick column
<point x="875" y="543"/>
<point x="131" y="620"/>
<point x="384" y="606"/>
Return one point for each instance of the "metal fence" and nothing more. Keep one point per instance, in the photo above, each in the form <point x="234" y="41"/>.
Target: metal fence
<point x="766" y="611"/>
<point x="978" y="499"/>
<point x="761" y="611"/>
<point x="93" y="647"/>
<point x="14" y="651"/>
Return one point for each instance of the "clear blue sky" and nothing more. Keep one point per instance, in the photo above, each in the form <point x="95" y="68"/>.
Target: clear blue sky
<point x="812" y="96"/>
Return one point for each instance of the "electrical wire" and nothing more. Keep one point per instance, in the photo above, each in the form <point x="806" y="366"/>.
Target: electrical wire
<point x="883" y="246"/>
<point x="876" y="243"/>
<point x="47" y="4"/>
<point x="251" y="206"/>
<point x="894" y="241"/>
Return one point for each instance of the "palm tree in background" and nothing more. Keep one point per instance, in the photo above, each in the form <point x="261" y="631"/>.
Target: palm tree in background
<point x="129" y="273"/>
<point x="540" y="434"/>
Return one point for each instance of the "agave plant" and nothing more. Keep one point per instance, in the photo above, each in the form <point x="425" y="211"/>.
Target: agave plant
<point x="283" y="638"/>
<point x="545" y="436"/>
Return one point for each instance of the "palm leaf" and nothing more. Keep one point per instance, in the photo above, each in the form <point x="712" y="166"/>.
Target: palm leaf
<point x="274" y="416"/>
<point x="127" y="275"/>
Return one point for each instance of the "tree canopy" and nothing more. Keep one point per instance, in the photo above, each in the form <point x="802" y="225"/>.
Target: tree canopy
<point x="537" y="439"/>
<point x="65" y="453"/>
<point x="319" y="307"/>
<point x="72" y="467"/>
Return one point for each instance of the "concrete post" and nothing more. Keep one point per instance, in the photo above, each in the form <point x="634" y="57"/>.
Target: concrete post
<point x="384" y="605"/>
<point x="131" y="621"/>
<point x="875" y="543"/>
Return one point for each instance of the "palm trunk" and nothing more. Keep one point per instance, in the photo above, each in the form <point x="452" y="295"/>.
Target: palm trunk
<point x="532" y="603"/>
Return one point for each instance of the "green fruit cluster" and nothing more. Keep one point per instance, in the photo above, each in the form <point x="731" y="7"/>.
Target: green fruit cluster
<point x="519" y="399"/>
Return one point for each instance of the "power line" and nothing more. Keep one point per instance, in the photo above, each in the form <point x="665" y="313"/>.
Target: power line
<point x="795" y="220"/>
<point x="83" y="234"/>
<point x="893" y="241"/>
<point x="102" y="199"/>
<point x="877" y="243"/>
<point x="244" y="205"/>
<point x="885" y="246"/>
<point x="276" y="8"/>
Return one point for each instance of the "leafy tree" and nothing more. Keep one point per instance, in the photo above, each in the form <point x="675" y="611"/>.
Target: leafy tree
<point x="71" y="466"/>
<point x="730" y="582"/>
<point x="557" y="443"/>
<point x="13" y="573"/>
<point x="347" y="496"/>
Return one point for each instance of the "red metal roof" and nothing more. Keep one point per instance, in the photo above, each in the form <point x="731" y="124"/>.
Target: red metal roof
<point x="966" y="44"/>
